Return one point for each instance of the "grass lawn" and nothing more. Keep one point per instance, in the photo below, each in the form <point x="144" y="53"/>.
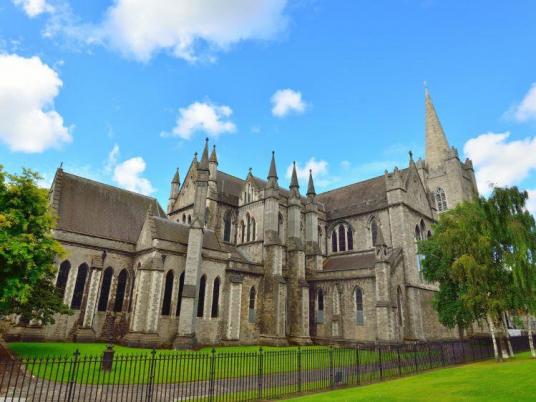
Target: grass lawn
<point x="513" y="380"/>
<point x="132" y="365"/>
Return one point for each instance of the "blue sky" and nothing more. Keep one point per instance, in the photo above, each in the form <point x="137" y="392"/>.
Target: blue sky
<point x="125" y="92"/>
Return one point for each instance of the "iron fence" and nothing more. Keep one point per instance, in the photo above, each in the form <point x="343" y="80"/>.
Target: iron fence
<point x="228" y="376"/>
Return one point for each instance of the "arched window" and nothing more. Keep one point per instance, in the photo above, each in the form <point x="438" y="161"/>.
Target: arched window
<point x="168" y="291"/>
<point x="179" y="297"/>
<point x="418" y="237"/>
<point x="183" y="218"/>
<point x="280" y="225"/>
<point x="429" y="234"/>
<point x="201" y="296"/>
<point x="215" y="298"/>
<point x="334" y="242"/>
<point x="242" y="231"/>
<point x="79" y="287"/>
<point x="105" y="289"/>
<point x="227" y="226"/>
<point x="120" y="291"/>
<point x="131" y="294"/>
<point x="336" y="301"/>
<point x="320" y="307"/>
<point x="248" y="224"/>
<point x="441" y="199"/>
<point x="399" y="306"/>
<point x="359" y="316"/>
<point x="373" y="231"/>
<point x="350" y="239"/>
<point x="342" y="238"/>
<point x="251" y="309"/>
<point x="253" y="228"/>
<point x="63" y="277"/>
<point x="189" y="219"/>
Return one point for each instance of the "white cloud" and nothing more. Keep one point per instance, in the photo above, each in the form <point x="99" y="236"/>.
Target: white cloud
<point x="28" y="121"/>
<point x="286" y="101"/>
<point x="190" y="30"/>
<point x="526" y="109"/>
<point x="33" y="7"/>
<point x="128" y="174"/>
<point x="203" y="117"/>
<point x="500" y="162"/>
<point x="112" y="159"/>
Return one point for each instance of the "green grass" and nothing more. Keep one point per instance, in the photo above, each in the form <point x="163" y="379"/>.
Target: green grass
<point x="132" y="365"/>
<point x="513" y="380"/>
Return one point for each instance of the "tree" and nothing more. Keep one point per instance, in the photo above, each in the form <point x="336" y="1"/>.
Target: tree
<point x="27" y="249"/>
<point x="514" y="229"/>
<point x="460" y="257"/>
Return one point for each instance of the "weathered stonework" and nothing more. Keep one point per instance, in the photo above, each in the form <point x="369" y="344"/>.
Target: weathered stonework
<point x="237" y="261"/>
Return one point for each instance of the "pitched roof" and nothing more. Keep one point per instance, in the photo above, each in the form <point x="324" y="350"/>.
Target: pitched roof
<point x="93" y="208"/>
<point x="169" y="230"/>
<point x="350" y="261"/>
<point x="357" y="198"/>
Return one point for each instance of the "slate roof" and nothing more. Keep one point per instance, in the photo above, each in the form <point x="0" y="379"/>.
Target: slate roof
<point x="350" y="261"/>
<point x="169" y="230"/>
<point x="354" y="199"/>
<point x="89" y="207"/>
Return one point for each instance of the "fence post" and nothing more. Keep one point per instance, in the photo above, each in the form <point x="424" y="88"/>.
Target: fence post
<point x="380" y="360"/>
<point x="429" y="354"/>
<point x="212" y="374"/>
<point x="442" y="354"/>
<point x="473" y="349"/>
<point x="331" y="377"/>
<point x="72" y="376"/>
<point x="151" y="376"/>
<point x="463" y="352"/>
<point x="358" y="368"/>
<point x="415" y="357"/>
<point x="399" y="361"/>
<point x="299" y="370"/>
<point x="259" y="374"/>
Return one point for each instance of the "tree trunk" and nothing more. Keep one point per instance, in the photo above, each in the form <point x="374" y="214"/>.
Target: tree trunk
<point x="491" y="326"/>
<point x="531" y="339"/>
<point x="507" y="335"/>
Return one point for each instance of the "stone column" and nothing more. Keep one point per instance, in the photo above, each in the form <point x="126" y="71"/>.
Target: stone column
<point x="187" y="319"/>
<point x="235" y="307"/>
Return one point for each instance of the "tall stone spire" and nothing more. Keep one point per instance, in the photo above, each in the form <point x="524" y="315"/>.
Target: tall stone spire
<point x="203" y="165"/>
<point x="437" y="146"/>
<point x="311" y="186"/>
<point x="213" y="156"/>
<point x="272" y="174"/>
<point x="294" y="186"/>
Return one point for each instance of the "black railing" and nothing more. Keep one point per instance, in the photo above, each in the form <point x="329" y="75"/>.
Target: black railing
<point x="225" y="376"/>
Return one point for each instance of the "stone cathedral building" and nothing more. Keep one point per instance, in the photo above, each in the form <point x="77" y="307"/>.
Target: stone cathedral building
<point x="246" y="261"/>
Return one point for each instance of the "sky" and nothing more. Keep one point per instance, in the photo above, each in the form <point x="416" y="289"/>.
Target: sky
<point x="126" y="91"/>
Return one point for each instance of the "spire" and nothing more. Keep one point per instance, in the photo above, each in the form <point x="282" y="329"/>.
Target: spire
<point x="176" y="178"/>
<point x="437" y="146"/>
<point x="294" y="186"/>
<point x="203" y="165"/>
<point x="311" y="186"/>
<point x="213" y="157"/>
<point x="272" y="174"/>
<point x="294" y="177"/>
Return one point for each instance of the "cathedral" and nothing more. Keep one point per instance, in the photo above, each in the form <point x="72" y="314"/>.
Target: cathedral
<point x="245" y="261"/>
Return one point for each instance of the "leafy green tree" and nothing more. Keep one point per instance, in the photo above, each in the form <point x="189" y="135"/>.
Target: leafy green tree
<point x="514" y="229"/>
<point x="27" y="249"/>
<point x="460" y="257"/>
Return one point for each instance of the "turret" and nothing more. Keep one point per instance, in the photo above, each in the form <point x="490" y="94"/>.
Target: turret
<point x="174" y="193"/>
<point x="294" y="211"/>
<point x="271" y="206"/>
<point x="213" y="165"/>
<point x="312" y="248"/>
